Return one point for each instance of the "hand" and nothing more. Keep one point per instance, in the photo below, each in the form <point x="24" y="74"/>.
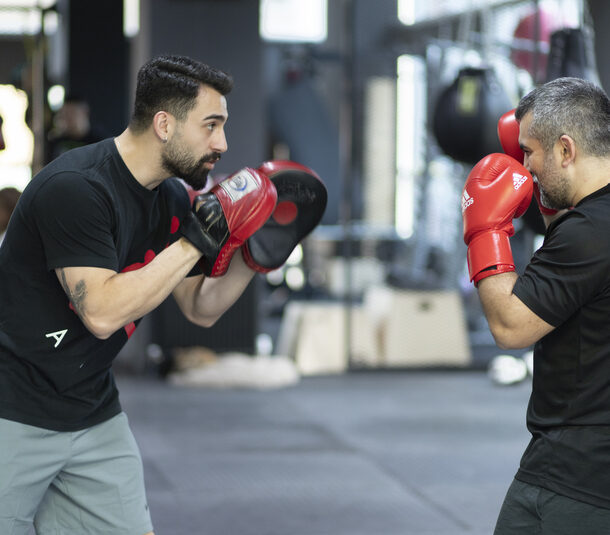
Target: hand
<point x="226" y="216"/>
<point x="301" y="201"/>
<point x="497" y="190"/>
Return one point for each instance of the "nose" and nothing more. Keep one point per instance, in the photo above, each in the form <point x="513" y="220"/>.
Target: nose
<point x="219" y="142"/>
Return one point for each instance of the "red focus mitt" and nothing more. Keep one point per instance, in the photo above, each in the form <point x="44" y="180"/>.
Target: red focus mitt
<point x="301" y="201"/>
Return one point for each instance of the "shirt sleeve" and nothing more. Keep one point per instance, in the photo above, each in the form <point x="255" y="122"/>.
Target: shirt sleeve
<point x="568" y="270"/>
<point x="75" y="220"/>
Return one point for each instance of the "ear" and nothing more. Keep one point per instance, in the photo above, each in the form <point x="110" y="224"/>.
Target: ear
<point x="568" y="150"/>
<point x="162" y="124"/>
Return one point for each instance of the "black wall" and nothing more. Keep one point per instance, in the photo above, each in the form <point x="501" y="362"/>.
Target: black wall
<point x="98" y="61"/>
<point x="225" y="35"/>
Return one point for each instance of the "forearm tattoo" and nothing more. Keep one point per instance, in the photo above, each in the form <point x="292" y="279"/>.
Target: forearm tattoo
<point x="77" y="295"/>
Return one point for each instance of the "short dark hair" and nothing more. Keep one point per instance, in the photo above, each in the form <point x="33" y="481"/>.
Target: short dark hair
<point x="171" y="83"/>
<point x="571" y="106"/>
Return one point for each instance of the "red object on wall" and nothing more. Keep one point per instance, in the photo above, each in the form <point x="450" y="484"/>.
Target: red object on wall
<point x="537" y="26"/>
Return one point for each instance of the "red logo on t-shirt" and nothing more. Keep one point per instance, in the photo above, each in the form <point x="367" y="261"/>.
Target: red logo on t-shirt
<point x="148" y="257"/>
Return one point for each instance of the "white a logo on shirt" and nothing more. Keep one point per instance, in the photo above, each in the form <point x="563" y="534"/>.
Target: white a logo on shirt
<point x="58" y="335"/>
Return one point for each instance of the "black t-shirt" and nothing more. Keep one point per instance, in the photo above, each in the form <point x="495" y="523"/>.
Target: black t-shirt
<point x="567" y="284"/>
<point x="83" y="209"/>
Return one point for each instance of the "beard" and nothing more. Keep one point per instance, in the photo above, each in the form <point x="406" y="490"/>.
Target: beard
<point x="557" y="195"/>
<point x="177" y="161"/>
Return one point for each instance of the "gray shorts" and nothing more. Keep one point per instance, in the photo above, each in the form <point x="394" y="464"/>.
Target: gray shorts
<point x="72" y="483"/>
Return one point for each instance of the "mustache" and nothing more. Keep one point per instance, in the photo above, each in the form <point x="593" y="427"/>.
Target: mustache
<point x="213" y="157"/>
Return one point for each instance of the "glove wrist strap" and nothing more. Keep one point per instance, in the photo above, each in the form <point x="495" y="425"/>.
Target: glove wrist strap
<point x="487" y="251"/>
<point x="192" y="230"/>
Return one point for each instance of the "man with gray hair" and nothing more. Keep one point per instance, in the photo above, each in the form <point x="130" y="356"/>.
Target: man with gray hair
<point x="560" y="132"/>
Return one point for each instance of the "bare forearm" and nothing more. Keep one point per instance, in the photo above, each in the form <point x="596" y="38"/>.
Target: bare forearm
<point x="512" y="324"/>
<point x="204" y="300"/>
<point x="107" y="301"/>
<point x="495" y="294"/>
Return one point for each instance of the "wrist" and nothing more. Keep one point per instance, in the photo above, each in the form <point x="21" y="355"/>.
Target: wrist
<point x="189" y="250"/>
<point x="489" y="253"/>
<point x="493" y="270"/>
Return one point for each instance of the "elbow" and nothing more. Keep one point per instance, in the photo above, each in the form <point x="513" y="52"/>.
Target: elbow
<point x="99" y="328"/>
<point x="504" y="343"/>
<point x="202" y="320"/>
<point x="206" y="321"/>
<point x="506" y="338"/>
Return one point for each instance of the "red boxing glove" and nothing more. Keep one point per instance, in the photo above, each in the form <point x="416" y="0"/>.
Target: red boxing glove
<point x="497" y="190"/>
<point x="225" y="217"/>
<point x="301" y="201"/>
<point x="508" y="133"/>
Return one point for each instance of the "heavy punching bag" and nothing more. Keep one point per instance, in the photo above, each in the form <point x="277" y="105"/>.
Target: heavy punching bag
<point x="466" y="115"/>
<point x="572" y="54"/>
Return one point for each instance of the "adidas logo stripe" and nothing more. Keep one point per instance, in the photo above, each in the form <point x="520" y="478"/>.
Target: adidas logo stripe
<point x="467" y="200"/>
<point x="518" y="180"/>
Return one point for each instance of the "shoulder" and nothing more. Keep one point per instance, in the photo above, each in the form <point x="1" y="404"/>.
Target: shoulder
<point x="84" y="157"/>
<point x="67" y="196"/>
<point x="82" y="166"/>
<point x="65" y="184"/>
<point x="584" y="229"/>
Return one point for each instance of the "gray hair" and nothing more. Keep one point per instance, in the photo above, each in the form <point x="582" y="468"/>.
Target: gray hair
<point x="571" y="106"/>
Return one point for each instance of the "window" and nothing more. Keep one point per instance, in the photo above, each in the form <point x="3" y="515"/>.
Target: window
<point x="410" y="138"/>
<point x="303" y="21"/>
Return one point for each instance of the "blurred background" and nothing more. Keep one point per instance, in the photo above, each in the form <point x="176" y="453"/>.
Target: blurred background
<point x="355" y="389"/>
<point x="391" y="102"/>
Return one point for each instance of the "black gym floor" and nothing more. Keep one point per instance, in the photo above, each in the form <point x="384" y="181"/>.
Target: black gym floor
<point x="365" y="453"/>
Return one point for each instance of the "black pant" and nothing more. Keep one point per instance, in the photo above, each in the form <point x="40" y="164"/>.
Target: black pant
<point x="531" y="510"/>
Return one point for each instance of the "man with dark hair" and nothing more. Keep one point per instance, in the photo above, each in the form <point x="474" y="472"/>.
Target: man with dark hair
<point x="561" y="303"/>
<point x="100" y="237"/>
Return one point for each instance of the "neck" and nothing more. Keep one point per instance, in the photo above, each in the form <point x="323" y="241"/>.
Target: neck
<point x="141" y="154"/>
<point x="592" y="174"/>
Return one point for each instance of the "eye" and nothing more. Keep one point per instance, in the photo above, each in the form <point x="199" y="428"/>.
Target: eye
<point x="211" y="126"/>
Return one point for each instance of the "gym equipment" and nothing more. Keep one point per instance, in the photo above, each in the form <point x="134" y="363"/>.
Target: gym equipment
<point x="467" y="112"/>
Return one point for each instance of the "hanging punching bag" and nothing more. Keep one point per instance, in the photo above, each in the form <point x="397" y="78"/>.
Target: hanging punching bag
<point x="572" y="54"/>
<point x="466" y="115"/>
